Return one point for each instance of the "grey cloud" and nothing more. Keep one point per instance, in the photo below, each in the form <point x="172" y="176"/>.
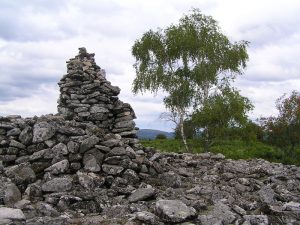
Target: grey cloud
<point x="23" y="21"/>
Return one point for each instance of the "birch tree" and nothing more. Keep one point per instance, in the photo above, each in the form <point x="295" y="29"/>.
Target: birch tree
<point x="185" y="61"/>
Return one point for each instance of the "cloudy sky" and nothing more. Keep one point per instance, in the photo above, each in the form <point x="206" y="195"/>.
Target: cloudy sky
<point x="38" y="36"/>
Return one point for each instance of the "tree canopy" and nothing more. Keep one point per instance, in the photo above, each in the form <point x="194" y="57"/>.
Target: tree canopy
<point x="284" y="129"/>
<point x="187" y="60"/>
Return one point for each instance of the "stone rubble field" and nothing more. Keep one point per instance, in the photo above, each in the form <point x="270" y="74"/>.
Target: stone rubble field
<point x="85" y="166"/>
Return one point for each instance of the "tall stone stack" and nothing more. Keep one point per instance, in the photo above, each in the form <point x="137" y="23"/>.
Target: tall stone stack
<point x="86" y="96"/>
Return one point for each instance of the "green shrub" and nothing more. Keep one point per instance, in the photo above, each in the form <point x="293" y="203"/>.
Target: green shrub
<point x="160" y="136"/>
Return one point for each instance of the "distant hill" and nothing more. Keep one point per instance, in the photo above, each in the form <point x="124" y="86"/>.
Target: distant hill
<point x="151" y="134"/>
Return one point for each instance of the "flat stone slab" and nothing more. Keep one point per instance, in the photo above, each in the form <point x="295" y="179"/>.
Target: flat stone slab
<point x="11" y="214"/>
<point x="112" y="169"/>
<point x="174" y="211"/>
<point x="141" y="194"/>
<point x="58" y="185"/>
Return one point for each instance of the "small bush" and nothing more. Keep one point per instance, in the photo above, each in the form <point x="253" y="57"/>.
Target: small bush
<point x="160" y="136"/>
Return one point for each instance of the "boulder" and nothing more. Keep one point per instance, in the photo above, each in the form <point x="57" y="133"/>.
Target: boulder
<point x="88" y="143"/>
<point x="21" y="174"/>
<point x="174" y="211"/>
<point x="60" y="184"/>
<point x="11" y="214"/>
<point x="142" y="194"/>
<point x="42" y="131"/>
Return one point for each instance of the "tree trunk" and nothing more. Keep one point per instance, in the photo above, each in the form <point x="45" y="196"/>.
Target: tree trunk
<point x="206" y="134"/>
<point x="181" y="121"/>
<point x="206" y="140"/>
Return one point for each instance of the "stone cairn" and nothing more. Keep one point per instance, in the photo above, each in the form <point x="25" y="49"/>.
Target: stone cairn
<point x="90" y="145"/>
<point x="86" y="96"/>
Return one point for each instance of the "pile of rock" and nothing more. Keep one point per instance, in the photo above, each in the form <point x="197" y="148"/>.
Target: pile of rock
<point x="86" y="95"/>
<point x="45" y="160"/>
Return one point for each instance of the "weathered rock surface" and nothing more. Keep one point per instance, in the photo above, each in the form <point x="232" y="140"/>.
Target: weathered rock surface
<point x="85" y="166"/>
<point x="11" y="214"/>
<point x="174" y="211"/>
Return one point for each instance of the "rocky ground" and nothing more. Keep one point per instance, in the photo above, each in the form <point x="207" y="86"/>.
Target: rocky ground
<point x="191" y="189"/>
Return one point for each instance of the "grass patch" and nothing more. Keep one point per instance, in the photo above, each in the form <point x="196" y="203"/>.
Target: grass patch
<point x="234" y="149"/>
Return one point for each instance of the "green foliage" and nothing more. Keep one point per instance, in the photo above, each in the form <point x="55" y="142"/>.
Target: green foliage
<point x="234" y="149"/>
<point x="189" y="130"/>
<point x="186" y="61"/>
<point x="222" y="115"/>
<point x="184" y="58"/>
<point x="283" y="131"/>
<point x="161" y="136"/>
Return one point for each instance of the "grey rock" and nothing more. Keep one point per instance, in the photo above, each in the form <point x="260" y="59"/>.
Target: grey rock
<point x="112" y="169"/>
<point x="220" y="214"/>
<point x="21" y="173"/>
<point x="59" y="149"/>
<point x="8" y="158"/>
<point x="90" y="163"/>
<point x="11" y="214"/>
<point x="58" y="184"/>
<point x="218" y="156"/>
<point x="42" y="131"/>
<point x="84" y="114"/>
<point x="111" y="142"/>
<point x="26" y="135"/>
<point x="12" y="194"/>
<point x="148" y="218"/>
<point x="88" y="143"/>
<point x="85" y="180"/>
<point x="50" y="143"/>
<point x="171" y="179"/>
<point x="117" y="151"/>
<point x="14" y="143"/>
<point x="291" y="206"/>
<point x="98" y="109"/>
<point x="6" y="125"/>
<point x="131" y="176"/>
<point x="46" y="209"/>
<point x="22" y="204"/>
<point x="239" y="210"/>
<point x="174" y="211"/>
<point x="38" y="155"/>
<point x="123" y="124"/>
<point x="116" y="160"/>
<point x="73" y="147"/>
<point x="267" y="194"/>
<point x="68" y="130"/>
<point x="256" y="219"/>
<point x="92" y="160"/>
<point x="59" y="167"/>
<point x="14" y="132"/>
<point x="142" y="194"/>
<point x="12" y="151"/>
<point x="103" y="148"/>
<point x="34" y="191"/>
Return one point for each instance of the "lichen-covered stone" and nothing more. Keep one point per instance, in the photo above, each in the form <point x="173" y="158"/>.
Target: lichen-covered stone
<point x="174" y="211"/>
<point x="142" y="194"/>
<point x="88" y="143"/>
<point x="58" y="184"/>
<point x="42" y="131"/>
<point x="21" y="174"/>
<point x="11" y="214"/>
